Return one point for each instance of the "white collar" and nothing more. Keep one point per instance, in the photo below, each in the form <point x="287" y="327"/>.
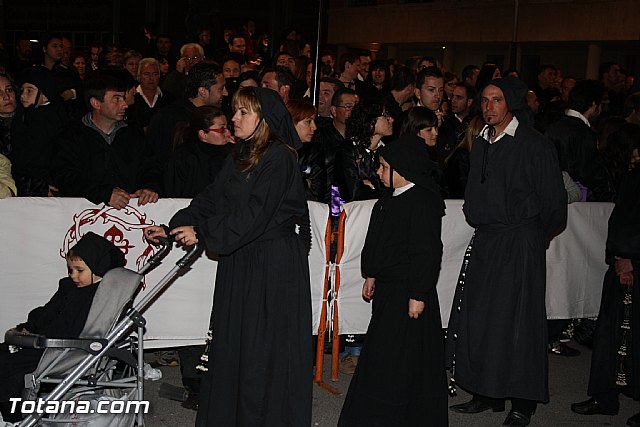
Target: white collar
<point x="399" y="191"/>
<point x="151" y="103"/>
<point x="509" y="130"/>
<point x="574" y="113"/>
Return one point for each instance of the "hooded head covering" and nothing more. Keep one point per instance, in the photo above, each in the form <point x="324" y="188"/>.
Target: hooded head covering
<point x="412" y="164"/>
<point x="42" y="78"/>
<point x="514" y="91"/>
<point x="98" y="253"/>
<point x="275" y="113"/>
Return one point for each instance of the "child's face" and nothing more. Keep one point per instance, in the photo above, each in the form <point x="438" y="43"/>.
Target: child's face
<point x="28" y="95"/>
<point x="80" y="273"/>
<point x="384" y="173"/>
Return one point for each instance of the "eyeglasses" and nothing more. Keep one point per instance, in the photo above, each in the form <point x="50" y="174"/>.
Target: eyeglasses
<point x="193" y="58"/>
<point x="346" y="107"/>
<point x="218" y="130"/>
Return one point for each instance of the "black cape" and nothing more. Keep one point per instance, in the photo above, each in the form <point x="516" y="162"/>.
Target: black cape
<point x="497" y="329"/>
<point x="623" y="241"/>
<point x="400" y="378"/>
<point x="260" y="357"/>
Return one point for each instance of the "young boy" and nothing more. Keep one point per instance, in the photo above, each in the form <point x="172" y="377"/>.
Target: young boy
<point x="63" y="316"/>
<point x="400" y="377"/>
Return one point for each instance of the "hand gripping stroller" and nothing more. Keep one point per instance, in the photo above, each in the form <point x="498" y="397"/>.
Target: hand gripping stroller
<point x="97" y="341"/>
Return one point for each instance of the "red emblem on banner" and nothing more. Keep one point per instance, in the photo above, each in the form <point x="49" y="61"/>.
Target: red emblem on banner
<point x="123" y="227"/>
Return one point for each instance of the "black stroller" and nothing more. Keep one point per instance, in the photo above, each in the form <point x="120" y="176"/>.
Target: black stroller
<point x="87" y="370"/>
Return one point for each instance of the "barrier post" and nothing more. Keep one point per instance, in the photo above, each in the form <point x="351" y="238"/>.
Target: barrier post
<point x="335" y="351"/>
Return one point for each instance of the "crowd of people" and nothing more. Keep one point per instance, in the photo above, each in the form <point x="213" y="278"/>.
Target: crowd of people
<point x="208" y="122"/>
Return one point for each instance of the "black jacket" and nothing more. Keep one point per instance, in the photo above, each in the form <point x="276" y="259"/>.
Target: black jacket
<point x="87" y="166"/>
<point x="578" y="155"/>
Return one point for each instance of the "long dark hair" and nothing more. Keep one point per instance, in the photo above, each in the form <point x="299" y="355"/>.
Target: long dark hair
<point x="418" y="118"/>
<point x="201" y="119"/>
<point x="362" y="123"/>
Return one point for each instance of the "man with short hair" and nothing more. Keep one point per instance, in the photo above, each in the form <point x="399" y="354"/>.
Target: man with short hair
<point x="190" y="55"/>
<point x="365" y="61"/>
<point x="330" y="137"/>
<point x="403" y="85"/>
<point x="515" y="199"/>
<point x="149" y="98"/>
<point x="205" y="85"/>
<point x="546" y="88"/>
<point x="230" y="68"/>
<point x="429" y="91"/>
<point x="349" y="67"/>
<point x="163" y="49"/>
<point x="460" y="114"/>
<point x="611" y="76"/>
<point x="94" y="55"/>
<point x="470" y="74"/>
<point x="101" y="157"/>
<point x="327" y="61"/>
<point x="566" y="86"/>
<point x="577" y="143"/>
<point x="237" y="43"/>
<point x="328" y="87"/>
<point x="281" y="80"/>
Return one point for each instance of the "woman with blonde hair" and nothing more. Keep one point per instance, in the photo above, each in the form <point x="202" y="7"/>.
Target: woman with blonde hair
<point x="260" y="357"/>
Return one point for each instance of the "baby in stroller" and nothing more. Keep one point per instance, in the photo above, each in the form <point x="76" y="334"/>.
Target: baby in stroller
<point x="64" y="316"/>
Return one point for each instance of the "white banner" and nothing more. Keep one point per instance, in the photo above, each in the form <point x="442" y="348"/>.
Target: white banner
<point x="36" y="232"/>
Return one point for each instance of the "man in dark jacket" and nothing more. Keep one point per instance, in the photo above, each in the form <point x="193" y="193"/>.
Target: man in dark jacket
<point x="576" y="142"/>
<point x="515" y="199"/>
<point x="102" y="158"/>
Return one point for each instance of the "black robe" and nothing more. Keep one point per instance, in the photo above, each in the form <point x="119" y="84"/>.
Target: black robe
<point x="260" y="356"/>
<point x="623" y="241"/>
<point x="497" y="329"/>
<point x="400" y="379"/>
<point x="63" y="316"/>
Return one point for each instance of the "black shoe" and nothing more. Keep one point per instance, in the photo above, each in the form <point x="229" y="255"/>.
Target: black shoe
<point x="592" y="407"/>
<point x="475" y="406"/>
<point x="561" y="349"/>
<point x="516" y="418"/>
<point x="634" y="421"/>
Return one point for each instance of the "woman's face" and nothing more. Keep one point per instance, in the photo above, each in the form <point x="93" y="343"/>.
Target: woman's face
<point x="384" y="125"/>
<point x="54" y="49"/>
<point x="306" y="128"/>
<point x="80" y="65"/>
<point x="244" y="121"/>
<point x="429" y="134"/>
<point x="132" y="66"/>
<point x="217" y="134"/>
<point x="7" y="97"/>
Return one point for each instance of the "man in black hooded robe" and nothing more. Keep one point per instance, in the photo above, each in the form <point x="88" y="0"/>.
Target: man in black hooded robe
<point x="516" y="201"/>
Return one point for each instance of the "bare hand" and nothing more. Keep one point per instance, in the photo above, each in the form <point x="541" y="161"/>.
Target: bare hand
<point x="626" y="279"/>
<point x="415" y="308"/>
<point x="181" y="65"/>
<point x="368" y="288"/>
<point x="623" y="265"/>
<point x="185" y="235"/>
<point x="440" y="116"/>
<point x="145" y="196"/>
<point x="119" y="198"/>
<point x="152" y="233"/>
<point x="53" y="191"/>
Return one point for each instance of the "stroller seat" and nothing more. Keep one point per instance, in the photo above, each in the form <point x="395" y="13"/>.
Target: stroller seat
<point x="112" y="299"/>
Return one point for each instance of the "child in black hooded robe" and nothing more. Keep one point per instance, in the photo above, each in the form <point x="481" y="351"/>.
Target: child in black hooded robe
<point x="63" y="316"/>
<point x="400" y="378"/>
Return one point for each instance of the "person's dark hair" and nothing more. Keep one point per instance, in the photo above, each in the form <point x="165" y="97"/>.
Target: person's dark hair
<point x="234" y="36"/>
<point x="339" y="93"/>
<point x="260" y="139"/>
<point x="362" y="122"/>
<point x="485" y="75"/>
<point x="4" y="73"/>
<point x="402" y="78"/>
<point x="201" y="119"/>
<point x="249" y="75"/>
<point x="584" y="94"/>
<point x="48" y="37"/>
<point x="121" y="74"/>
<point x="337" y="84"/>
<point x="604" y="68"/>
<point x="300" y="109"/>
<point x="448" y="76"/>
<point x="379" y="64"/>
<point x="513" y="70"/>
<point x="349" y="57"/>
<point x="418" y="118"/>
<point x="284" y="76"/>
<point x="468" y="70"/>
<point x="545" y="67"/>
<point x="428" y="59"/>
<point x="302" y="62"/>
<point x="470" y="90"/>
<point x="234" y="56"/>
<point x="620" y="145"/>
<point x="201" y="75"/>
<point x="97" y="85"/>
<point x="423" y="74"/>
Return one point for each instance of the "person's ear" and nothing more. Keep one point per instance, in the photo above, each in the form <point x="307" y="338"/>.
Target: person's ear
<point x="202" y="135"/>
<point x="95" y="104"/>
<point x="203" y="92"/>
